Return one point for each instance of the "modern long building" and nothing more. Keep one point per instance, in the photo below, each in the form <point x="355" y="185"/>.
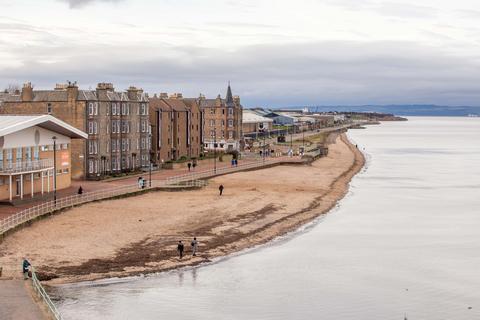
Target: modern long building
<point x="28" y="158"/>
<point x="116" y="122"/>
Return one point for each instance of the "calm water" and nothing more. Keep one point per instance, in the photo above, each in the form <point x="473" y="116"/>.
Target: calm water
<point x="405" y="240"/>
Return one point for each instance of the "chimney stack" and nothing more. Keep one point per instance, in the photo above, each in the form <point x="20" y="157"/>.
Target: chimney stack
<point x="27" y="92"/>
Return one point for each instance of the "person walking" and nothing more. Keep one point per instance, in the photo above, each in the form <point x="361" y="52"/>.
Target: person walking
<point x="180" y="248"/>
<point x="25" y="266"/>
<point x="194" y="246"/>
<point x="189" y="166"/>
<point x="194" y="165"/>
<point x="80" y="190"/>
<point x="221" y="189"/>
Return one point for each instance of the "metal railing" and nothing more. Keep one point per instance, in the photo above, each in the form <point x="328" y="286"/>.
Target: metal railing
<point x="37" y="286"/>
<point x="25" y="166"/>
<point x="195" y="175"/>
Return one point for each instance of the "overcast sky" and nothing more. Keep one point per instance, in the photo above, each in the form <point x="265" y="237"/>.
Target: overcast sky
<point x="274" y="52"/>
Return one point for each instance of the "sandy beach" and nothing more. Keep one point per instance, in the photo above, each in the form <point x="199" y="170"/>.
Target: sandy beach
<point x="137" y="235"/>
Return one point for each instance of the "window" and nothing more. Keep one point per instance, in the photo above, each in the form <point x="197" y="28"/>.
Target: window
<point x="108" y="110"/>
<point x="65" y="170"/>
<point x="28" y="153"/>
<point x="212" y="133"/>
<point x="230" y="111"/>
<point x="90" y="166"/>
<point x="212" y="123"/>
<point x="143" y="126"/>
<point x="230" y="123"/>
<point x="212" y="110"/>
<point x="90" y="109"/>
<point x="18" y="155"/>
<point x="49" y="108"/>
<point x="143" y="109"/>
<point x="223" y="111"/>
<point x="143" y="143"/>
<point x="36" y="153"/>
<point x="230" y="134"/>
<point x="64" y="146"/>
<point x="44" y="148"/>
<point x="92" y="147"/>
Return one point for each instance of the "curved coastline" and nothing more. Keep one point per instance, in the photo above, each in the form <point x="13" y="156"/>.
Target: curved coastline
<point x="222" y="240"/>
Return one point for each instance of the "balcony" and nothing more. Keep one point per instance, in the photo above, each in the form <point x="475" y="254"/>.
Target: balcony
<point x="10" y="167"/>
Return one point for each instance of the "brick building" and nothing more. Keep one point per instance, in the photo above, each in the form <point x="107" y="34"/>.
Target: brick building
<point x="222" y="122"/>
<point x="116" y="122"/>
<point x="176" y="128"/>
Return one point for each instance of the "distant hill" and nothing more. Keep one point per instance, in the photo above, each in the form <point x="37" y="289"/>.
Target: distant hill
<point x="404" y="110"/>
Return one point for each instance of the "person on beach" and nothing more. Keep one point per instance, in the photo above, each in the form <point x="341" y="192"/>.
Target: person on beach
<point x="189" y="166"/>
<point x="194" y="246"/>
<point x="180" y="249"/>
<point x="80" y="190"/>
<point x="25" y="266"/>
<point x="220" y="189"/>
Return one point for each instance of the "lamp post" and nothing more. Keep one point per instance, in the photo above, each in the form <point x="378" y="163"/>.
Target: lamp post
<point x="54" y="138"/>
<point x="264" y="133"/>
<point x="215" y="150"/>
<point x="150" y="170"/>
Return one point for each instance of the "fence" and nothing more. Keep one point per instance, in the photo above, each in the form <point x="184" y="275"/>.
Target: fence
<point x="196" y="175"/>
<point x="37" y="286"/>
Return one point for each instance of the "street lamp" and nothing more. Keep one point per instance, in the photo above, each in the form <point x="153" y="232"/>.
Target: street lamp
<point x="264" y="134"/>
<point x="54" y="138"/>
<point x="215" y="151"/>
<point x="150" y="169"/>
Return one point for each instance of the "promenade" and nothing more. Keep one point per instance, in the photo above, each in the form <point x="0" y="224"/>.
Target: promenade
<point x="17" y="303"/>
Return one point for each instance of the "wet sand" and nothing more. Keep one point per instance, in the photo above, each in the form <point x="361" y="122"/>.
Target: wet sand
<point x="138" y="235"/>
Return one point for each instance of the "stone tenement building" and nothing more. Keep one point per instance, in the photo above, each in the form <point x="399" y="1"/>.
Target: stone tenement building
<point x="176" y="128"/>
<point x="116" y="122"/>
<point x="222" y="122"/>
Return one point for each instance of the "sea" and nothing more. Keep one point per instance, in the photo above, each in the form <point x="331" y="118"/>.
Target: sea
<point x="403" y="244"/>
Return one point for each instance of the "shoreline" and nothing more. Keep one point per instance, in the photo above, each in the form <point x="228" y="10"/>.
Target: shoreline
<point x="219" y="236"/>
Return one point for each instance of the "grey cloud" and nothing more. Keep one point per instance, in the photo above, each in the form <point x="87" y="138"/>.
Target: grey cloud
<point x="391" y="9"/>
<point x="336" y="72"/>
<point x="81" y="3"/>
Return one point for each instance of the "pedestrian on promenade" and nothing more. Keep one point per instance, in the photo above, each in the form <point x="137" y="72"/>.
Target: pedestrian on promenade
<point x="236" y="162"/>
<point x="140" y="182"/>
<point x="194" y="246"/>
<point x="25" y="266"/>
<point x="180" y="249"/>
<point x="194" y="165"/>
<point x="80" y="190"/>
<point x="233" y="162"/>
<point x="189" y="166"/>
<point x="221" y="189"/>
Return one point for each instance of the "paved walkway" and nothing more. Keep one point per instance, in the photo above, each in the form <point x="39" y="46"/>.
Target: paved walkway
<point x="16" y="302"/>
<point x="88" y="186"/>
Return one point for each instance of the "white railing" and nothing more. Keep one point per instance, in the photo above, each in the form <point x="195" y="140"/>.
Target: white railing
<point x="189" y="179"/>
<point x="45" y="297"/>
<point x="25" y="166"/>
